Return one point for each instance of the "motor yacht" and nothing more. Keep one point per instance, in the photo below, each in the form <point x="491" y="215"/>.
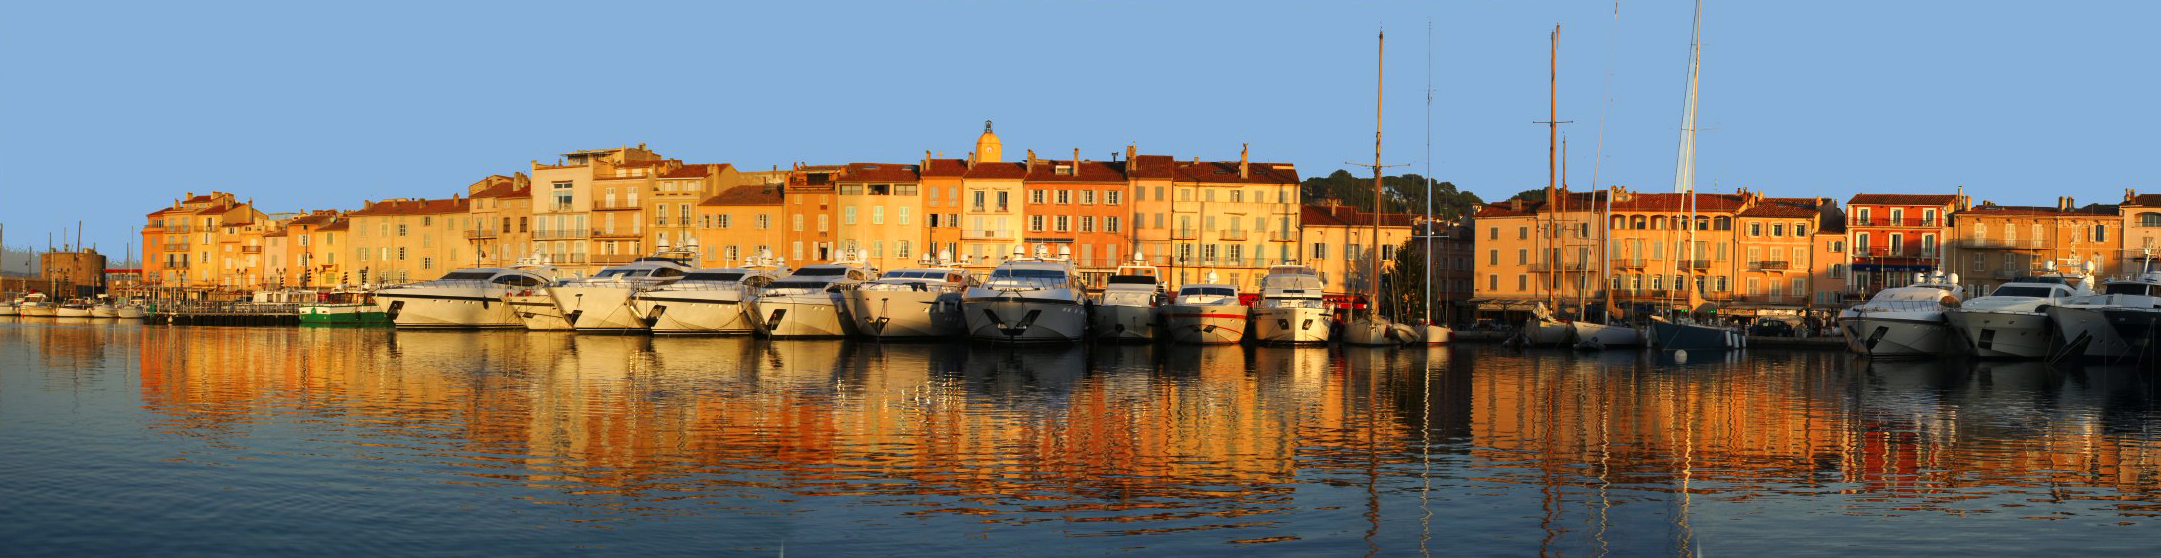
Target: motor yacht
<point x="466" y="298"/>
<point x="2117" y="323"/>
<point x="709" y="300"/>
<point x="1542" y="328"/>
<point x="535" y="308"/>
<point x="2012" y="321"/>
<point x="105" y="309"/>
<point x="1291" y="309"/>
<point x="918" y="303"/>
<point x="1130" y="308"/>
<point x="602" y="302"/>
<point x="1205" y="314"/>
<point x="1904" y="321"/>
<point x="811" y="302"/>
<point x="72" y="309"/>
<point x="1028" y="299"/>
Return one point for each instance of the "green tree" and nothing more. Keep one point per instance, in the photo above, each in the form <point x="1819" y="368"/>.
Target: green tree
<point x="1399" y="194"/>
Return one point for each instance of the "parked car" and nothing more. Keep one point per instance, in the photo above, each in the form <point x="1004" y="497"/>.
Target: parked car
<point x="1771" y="328"/>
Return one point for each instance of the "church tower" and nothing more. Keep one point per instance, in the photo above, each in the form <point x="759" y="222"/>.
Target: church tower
<point x="986" y="147"/>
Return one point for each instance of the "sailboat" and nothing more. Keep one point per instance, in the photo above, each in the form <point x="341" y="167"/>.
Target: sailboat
<point x="1682" y="333"/>
<point x="1432" y="333"/>
<point x="1605" y="334"/>
<point x="1372" y="330"/>
<point x="1542" y="327"/>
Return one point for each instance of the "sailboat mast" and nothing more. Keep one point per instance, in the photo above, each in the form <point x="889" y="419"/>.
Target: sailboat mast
<point x="1553" y="136"/>
<point x="1427" y="302"/>
<point x="1373" y="279"/>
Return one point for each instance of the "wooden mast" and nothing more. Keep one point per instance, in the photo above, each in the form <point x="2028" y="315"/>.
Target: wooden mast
<point x="1373" y="279"/>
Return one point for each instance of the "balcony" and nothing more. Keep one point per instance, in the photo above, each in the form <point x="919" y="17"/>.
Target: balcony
<point x="1185" y="234"/>
<point x="613" y="259"/>
<point x="1283" y="236"/>
<point x="1768" y="265"/>
<point x="1233" y="234"/>
<point x="1892" y="252"/>
<point x="566" y="258"/>
<point x="615" y="205"/>
<point x="480" y="234"/>
<point x="618" y="234"/>
<point x="1628" y="264"/>
<point x="1541" y="267"/>
<point x="251" y="249"/>
<point x="178" y="229"/>
<point x="1694" y="264"/>
<point x="1889" y="222"/>
<point x="1999" y="244"/>
<point x="558" y="234"/>
<point x="980" y="234"/>
<point x="175" y="247"/>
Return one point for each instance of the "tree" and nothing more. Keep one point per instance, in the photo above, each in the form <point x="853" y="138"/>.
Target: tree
<point x="1407" y="282"/>
<point x="1399" y="194"/>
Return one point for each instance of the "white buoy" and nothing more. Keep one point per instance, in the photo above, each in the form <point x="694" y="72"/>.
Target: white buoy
<point x="1680" y="357"/>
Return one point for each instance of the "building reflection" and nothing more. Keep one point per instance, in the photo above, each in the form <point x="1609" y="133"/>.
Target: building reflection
<point x="1212" y="435"/>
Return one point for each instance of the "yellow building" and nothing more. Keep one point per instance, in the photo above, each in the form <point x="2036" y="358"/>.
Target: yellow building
<point x="1993" y="243"/>
<point x="299" y="253"/>
<point x="406" y="240"/>
<point x="2141" y="217"/>
<point x="1233" y="218"/>
<point x="739" y="223"/>
<point x="1338" y="241"/>
<point x="566" y="201"/>
<point x="880" y="208"/>
<point x="501" y="217"/>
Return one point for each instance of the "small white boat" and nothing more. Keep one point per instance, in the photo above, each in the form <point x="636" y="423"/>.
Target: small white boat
<point x="1205" y="314"/>
<point x="921" y="303"/>
<point x="709" y="300"/>
<point x="35" y="305"/>
<point x="72" y="309"/>
<point x="132" y="310"/>
<point x="8" y="307"/>
<point x="1377" y="332"/>
<point x="1904" y="321"/>
<point x="1028" y="300"/>
<point x="466" y="298"/>
<point x="1291" y="308"/>
<point x="603" y="302"/>
<point x="2012" y="321"/>
<point x="105" y="310"/>
<point x="1130" y="308"/>
<point x="811" y="302"/>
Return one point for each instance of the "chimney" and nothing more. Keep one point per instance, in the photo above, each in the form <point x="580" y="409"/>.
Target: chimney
<point x="1076" y="161"/>
<point x="926" y="159"/>
<point x="2068" y="203"/>
<point x="1031" y="160"/>
<point x="1244" y="170"/>
<point x="1130" y="151"/>
<point x="1515" y="204"/>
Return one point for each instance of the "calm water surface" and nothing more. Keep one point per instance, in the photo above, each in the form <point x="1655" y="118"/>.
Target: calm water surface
<point x="154" y="440"/>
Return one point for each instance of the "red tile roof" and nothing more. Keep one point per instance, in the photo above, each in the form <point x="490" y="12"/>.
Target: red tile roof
<point x="1089" y="171"/>
<point x="1902" y="199"/>
<point x="1802" y="208"/>
<point x="505" y="189"/>
<point x="877" y="172"/>
<point x="415" y="207"/>
<point x="2090" y="210"/>
<point x="746" y="195"/>
<point x="998" y="170"/>
<point x="312" y="219"/>
<point x="341" y="224"/>
<point x="1152" y="166"/>
<point x="1227" y="172"/>
<point x="946" y="168"/>
<point x="2144" y="200"/>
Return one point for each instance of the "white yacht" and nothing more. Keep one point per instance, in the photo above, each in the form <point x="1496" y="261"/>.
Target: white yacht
<point x="810" y="302"/>
<point x="1542" y="328"/>
<point x="105" y="308"/>
<point x="1028" y="299"/>
<point x="8" y="306"/>
<point x="1130" y="308"/>
<point x="2118" y="323"/>
<point x="709" y="300"/>
<point x="2012" y="321"/>
<point x="1590" y="334"/>
<point x="466" y="298"/>
<point x="919" y="303"/>
<point x="1205" y="314"/>
<point x="535" y="308"/>
<point x="1291" y="309"/>
<point x="602" y="302"/>
<point x="35" y="305"/>
<point x="133" y="309"/>
<point x="1903" y="321"/>
<point x="72" y="309"/>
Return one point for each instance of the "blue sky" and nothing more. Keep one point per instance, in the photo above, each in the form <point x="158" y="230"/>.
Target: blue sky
<point x="109" y="111"/>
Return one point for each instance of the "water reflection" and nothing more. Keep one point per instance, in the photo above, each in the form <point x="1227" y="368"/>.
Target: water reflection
<point x="1133" y="446"/>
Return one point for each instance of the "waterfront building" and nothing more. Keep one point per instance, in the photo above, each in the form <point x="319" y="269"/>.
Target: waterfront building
<point x="942" y="194"/>
<point x="1450" y="267"/>
<point x="879" y="208"/>
<point x="621" y="199"/>
<point x="1896" y="236"/>
<point x="1077" y="207"/>
<point x="1833" y="262"/>
<point x="292" y="258"/>
<point x="808" y="203"/>
<point x="1338" y="240"/>
<point x="323" y="257"/>
<point x="179" y="241"/>
<point x="1998" y="243"/>
<point x="406" y="240"/>
<point x="76" y="270"/>
<point x="991" y="214"/>
<point x="2141" y="224"/>
<point x="738" y="223"/>
<point x="1150" y="231"/>
<point x="1236" y="219"/>
<point x="1777" y="273"/>
<point x="564" y="203"/>
<point x="674" y="199"/>
<point x="501" y="217"/>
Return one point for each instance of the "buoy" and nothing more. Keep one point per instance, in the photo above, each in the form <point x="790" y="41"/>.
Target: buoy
<point x="1680" y="357"/>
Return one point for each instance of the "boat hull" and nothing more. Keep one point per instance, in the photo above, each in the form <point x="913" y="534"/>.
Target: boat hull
<point x="38" y="311"/>
<point x="71" y="312"/>
<point x="1125" y="323"/>
<point x="446" y="308"/>
<point x="1017" y="320"/>
<point x="598" y="307"/>
<point x="10" y="310"/>
<point x="1377" y="333"/>
<point x="906" y="314"/>
<point x="1546" y="332"/>
<point x="2016" y="335"/>
<point x="1669" y="336"/>
<point x="104" y="312"/>
<point x="1606" y="335"/>
<point x="343" y="315"/>
<point x="1205" y="324"/>
<point x="683" y="312"/>
<point x="1897" y="336"/>
<point x="801" y="317"/>
<point x="537" y="310"/>
<point x="130" y="313"/>
<point x="1290" y="325"/>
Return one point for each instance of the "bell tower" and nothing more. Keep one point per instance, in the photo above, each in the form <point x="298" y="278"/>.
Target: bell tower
<point x="986" y="146"/>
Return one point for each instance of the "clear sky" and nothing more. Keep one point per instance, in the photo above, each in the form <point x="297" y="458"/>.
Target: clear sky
<point x="108" y="112"/>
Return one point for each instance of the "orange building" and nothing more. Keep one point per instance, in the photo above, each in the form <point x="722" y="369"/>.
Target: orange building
<point x="810" y="208"/>
<point x="942" y="193"/>
<point x="1895" y="236"/>
<point x="740" y="223"/>
<point x="1077" y="207"/>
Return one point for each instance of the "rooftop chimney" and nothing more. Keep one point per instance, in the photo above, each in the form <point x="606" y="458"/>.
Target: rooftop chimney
<point x="1244" y="170"/>
<point x="1130" y="151"/>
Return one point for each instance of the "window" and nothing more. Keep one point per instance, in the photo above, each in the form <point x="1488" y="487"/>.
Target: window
<point x="877" y="215"/>
<point x="1493" y="257"/>
<point x="1110" y="224"/>
<point x="1064" y="223"/>
<point x="1087" y="224"/>
<point x="979" y="201"/>
<point x="1035" y="223"/>
<point x="822" y="222"/>
<point x="1493" y="282"/>
<point x="798" y="224"/>
<point x="401" y="229"/>
<point x="723" y="220"/>
<point x="1898" y="216"/>
<point x="2100" y="234"/>
<point x="562" y="195"/>
<point x="902" y="215"/>
<point x="1035" y="197"/>
<point x="762" y="222"/>
<point x="1238" y="196"/>
<point x="1523" y="257"/>
<point x="1494" y="233"/>
<point x="1320" y="251"/>
<point x="1523" y="233"/>
<point x="1087" y="197"/>
<point x="1755" y="229"/>
<point x="1065" y="197"/>
<point x="1523" y="282"/>
<point x="1778" y="229"/>
<point x="2149" y="219"/>
<point x="427" y="263"/>
<point x="1111" y="197"/>
<point x="1002" y="200"/>
<point x="401" y="253"/>
<point x="1928" y="216"/>
<point x="1864" y="218"/>
<point x="847" y="216"/>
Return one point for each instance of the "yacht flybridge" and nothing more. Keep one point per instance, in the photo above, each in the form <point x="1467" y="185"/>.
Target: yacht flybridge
<point x="1904" y="321"/>
<point x="1028" y="300"/>
<point x="811" y="302"/>
<point x="466" y="298"/>
<point x="1291" y="309"/>
<point x="916" y="303"/>
<point x="709" y="300"/>
<point x="1130" y="307"/>
<point x="603" y="302"/>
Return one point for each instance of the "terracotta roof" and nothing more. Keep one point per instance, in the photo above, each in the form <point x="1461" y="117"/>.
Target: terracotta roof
<point x="946" y="167"/>
<point x="311" y="220"/>
<point x="2089" y="210"/>
<point x="878" y="172"/>
<point x="1902" y="199"/>
<point x="2144" y="200"/>
<point x="639" y="164"/>
<point x="1802" y="208"/>
<point x="1347" y="216"/>
<point x="414" y="207"/>
<point x="1227" y="172"/>
<point x="1152" y="166"/>
<point x="1089" y="171"/>
<point x="504" y="189"/>
<point x="695" y="171"/>
<point x="341" y="224"/>
<point x="746" y="195"/>
<point x="205" y="198"/>
<point x="279" y="232"/>
<point x="998" y="170"/>
<point x="1497" y="211"/>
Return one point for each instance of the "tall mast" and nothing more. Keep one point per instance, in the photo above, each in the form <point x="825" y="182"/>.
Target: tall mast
<point x="1598" y="149"/>
<point x="1427" y="302"/>
<point x="1553" y="135"/>
<point x="1684" y="172"/>
<point x="1373" y="279"/>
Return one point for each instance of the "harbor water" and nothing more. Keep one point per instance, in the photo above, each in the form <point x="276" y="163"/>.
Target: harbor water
<point x="132" y="439"/>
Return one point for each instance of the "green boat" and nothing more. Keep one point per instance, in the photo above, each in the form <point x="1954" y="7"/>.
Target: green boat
<point x="343" y="315"/>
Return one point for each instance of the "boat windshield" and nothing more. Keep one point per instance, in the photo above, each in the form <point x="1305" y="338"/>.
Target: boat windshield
<point x="2127" y="289"/>
<point x="467" y="276"/>
<point x="821" y="271"/>
<point x="1132" y="280"/>
<point x="813" y="285"/>
<point x="621" y="273"/>
<point x="1010" y="273"/>
<point x="2022" y="290"/>
<point x="1208" y="291"/>
<point x="715" y="276"/>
